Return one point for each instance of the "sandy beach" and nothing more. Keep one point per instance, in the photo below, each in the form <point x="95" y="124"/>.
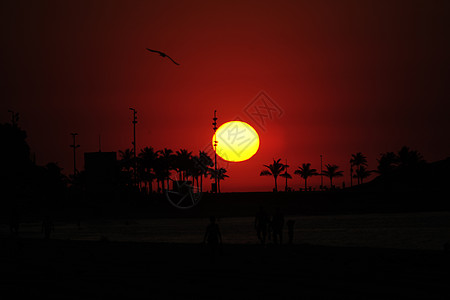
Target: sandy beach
<point x="358" y="256"/>
<point x="63" y="269"/>
<point x="414" y="230"/>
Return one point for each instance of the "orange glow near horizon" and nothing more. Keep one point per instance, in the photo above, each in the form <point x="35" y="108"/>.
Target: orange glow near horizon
<point x="236" y="141"/>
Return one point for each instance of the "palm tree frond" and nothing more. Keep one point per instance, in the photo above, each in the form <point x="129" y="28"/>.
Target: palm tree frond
<point x="286" y="175"/>
<point x="265" y="173"/>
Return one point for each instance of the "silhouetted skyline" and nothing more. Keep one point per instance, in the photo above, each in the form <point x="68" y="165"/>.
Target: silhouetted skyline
<point x="337" y="78"/>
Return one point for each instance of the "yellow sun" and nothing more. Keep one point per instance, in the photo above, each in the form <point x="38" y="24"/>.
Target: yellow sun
<point x="236" y="141"/>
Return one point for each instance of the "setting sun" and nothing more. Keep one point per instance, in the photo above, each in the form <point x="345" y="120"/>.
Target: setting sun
<point x="236" y="141"/>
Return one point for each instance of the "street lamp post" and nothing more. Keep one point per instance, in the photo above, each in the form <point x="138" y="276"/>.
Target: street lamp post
<point x="74" y="146"/>
<point x="215" y="152"/>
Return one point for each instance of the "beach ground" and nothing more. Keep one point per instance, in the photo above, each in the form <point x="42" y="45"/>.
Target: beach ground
<point x="64" y="269"/>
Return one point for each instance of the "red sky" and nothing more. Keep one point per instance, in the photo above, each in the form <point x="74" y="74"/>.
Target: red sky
<point x="348" y="76"/>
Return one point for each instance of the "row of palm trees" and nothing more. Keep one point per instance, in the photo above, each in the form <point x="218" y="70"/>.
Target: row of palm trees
<point x="358" y="165"/>
<point x="158" y="166"/>
<point x="152" y="165"/>
<point x="387" y="163"/>
<point x="305" y="171"/>
<point x="404" y="158"/>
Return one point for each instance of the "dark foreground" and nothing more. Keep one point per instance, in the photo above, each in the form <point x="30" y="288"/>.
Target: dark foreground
<point x="59" y="269"/>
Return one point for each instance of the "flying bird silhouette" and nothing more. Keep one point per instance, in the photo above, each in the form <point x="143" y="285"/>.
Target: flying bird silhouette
<point x="163" y="55"/>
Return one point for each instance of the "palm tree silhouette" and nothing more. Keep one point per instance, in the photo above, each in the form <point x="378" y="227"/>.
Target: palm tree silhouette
<point x="409" y="158"/>
<point x="161" y="173"/>
<point x="363" y="173"/>
<point x="220" y="176"/>
<point x="286" y="176"/>
<point x="357" y="161"/>
<point x="305" y="171"/>
<point x="126" y="159"/>
<point x="205" y="164"/>
<point x="182" y="163"/>
<point x="195" y="170"/>
<point x="146" y="166"/>
<point x="274" y="170"/>
<point x="387" y="163"/>
<point x="167" y="160"/>
<point x="331" y="172"/>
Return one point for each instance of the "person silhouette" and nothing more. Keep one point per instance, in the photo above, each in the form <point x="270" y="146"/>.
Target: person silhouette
<point x="290" y="225"/>
<point x="261" y="224"/>
<point x="213" y="237"/>
<point x="47" y="227"/>
<point x="277" y="226"/>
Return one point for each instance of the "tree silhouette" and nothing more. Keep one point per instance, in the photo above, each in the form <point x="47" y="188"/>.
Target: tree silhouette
<point x="358" y="160"/>
<point x="409" y="158"/>
<point x="167" y="160"/>
<point x="182" y="163"/>
<point x="220" y="176"/>
<point x="195" y="170"/>
<point x="146" y="164"/>
<point x="286" y="176"/>
<point x="274" y="170"/>
<point x="331" y="171"/>
<point x="387" y="163"/>
<point x="161" y="172"/>
<point x="405" y="158"/>
<point x="126" y="159"/>
<point x="362" y="173"/>
<point x="306" y="171"/>
<point x="205" y="163"/>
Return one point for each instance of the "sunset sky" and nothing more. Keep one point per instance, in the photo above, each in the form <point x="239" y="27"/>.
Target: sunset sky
<point x="343" y="77"/>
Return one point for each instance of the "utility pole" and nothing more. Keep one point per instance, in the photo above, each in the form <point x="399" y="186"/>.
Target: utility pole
<point x="321" y="173"/>
<point x="74" y="146"/>
<point x="134" y="144"/>
<point x="215" y="148"/>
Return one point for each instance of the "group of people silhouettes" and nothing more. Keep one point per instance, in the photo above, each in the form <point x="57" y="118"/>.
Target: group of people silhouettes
<point x="267" y="228"/>
<point x="271" y="228"/>
<point x="14" y="222"/>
